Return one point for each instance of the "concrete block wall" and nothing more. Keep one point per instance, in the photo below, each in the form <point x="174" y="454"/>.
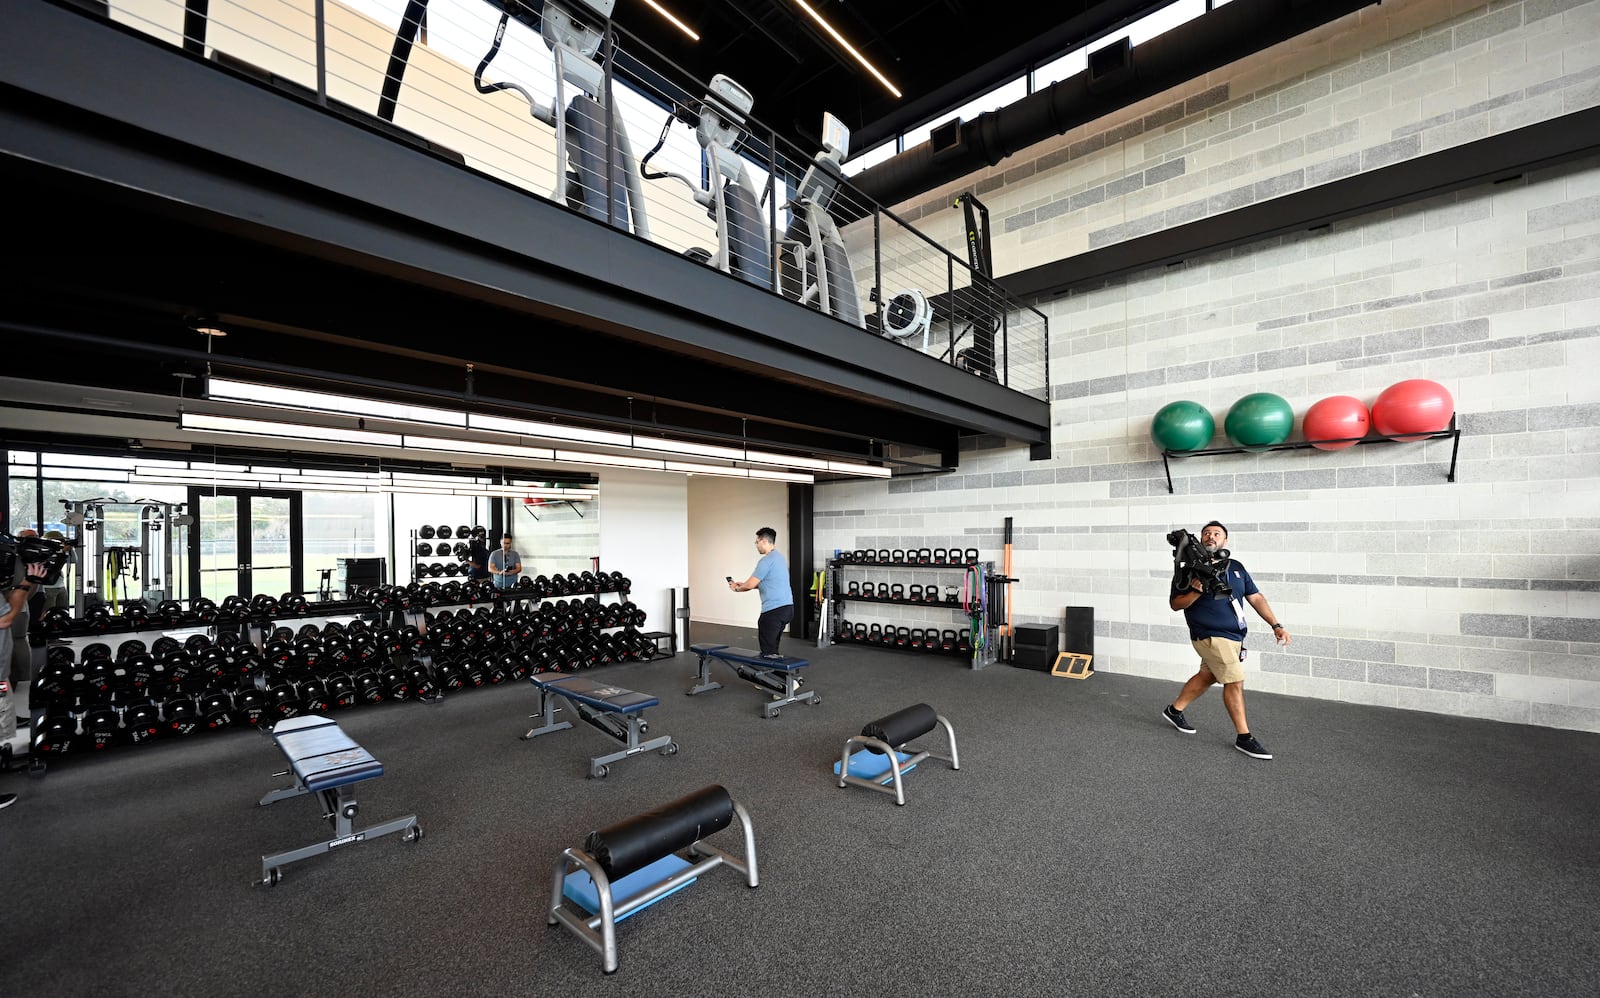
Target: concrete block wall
<point x="1479" y="597"/>
<point x="1388" y="83"/>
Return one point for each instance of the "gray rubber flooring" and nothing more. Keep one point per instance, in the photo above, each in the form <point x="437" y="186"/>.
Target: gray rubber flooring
<point x="1084" y="848"/>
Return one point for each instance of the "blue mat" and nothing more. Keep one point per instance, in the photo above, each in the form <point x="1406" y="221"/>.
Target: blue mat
<point x="579" y="886"/>
<point x="870" y="765"/>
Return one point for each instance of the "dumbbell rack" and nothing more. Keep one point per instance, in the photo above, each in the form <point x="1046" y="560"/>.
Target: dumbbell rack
<point x="838" y="593"/>
<point x="418" y="561"/>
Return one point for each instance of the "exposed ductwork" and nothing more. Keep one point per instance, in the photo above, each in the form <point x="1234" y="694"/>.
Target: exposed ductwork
<point x="1115" y="79"/>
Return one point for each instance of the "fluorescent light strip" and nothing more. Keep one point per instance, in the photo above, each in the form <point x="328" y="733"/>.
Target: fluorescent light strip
<point x="869" y="470"/>
<point x="831" y="30"/>
<point x="88" y="461"/>
<point x="228" y="390"/>
<point x="782" y="476"/>
<point x="784" y="460"/>
<point x="82" y="474"/>
<point x="675" y="22"/>
<point x="614" y="460"/>
<point x="293" y="431"/>
<point x="477" y="447"/>
<point x="706" y="469"/>
<point x="685" y="447"/>
<point x="551" y="431"/>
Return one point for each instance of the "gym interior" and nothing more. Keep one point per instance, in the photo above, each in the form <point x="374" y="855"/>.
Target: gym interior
<point x="398" y="388"/>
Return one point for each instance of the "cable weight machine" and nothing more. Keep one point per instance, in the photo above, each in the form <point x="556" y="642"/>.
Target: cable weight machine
<point x="106" y="569"/>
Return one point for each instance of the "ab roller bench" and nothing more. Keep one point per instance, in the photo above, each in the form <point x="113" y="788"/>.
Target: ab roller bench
<point x="326" y="762"/>
<point x="777" y="676"/>
<point x="883" y="751"/>
<point x="616" y="712"/>
<point x="628" y="866"/>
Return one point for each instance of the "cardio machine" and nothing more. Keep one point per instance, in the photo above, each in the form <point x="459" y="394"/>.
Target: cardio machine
<point x="729" y="197"/>
<point x="813" y="265"/>
<point x="584" y="171"/>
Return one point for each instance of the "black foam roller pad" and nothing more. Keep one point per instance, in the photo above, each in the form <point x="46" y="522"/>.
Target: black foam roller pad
<point x="901" y="726"/>
<point x="634" y="844"/>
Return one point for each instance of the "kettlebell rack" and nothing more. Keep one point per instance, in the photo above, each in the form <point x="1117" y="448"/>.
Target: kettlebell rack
<point x="936" y="589"/>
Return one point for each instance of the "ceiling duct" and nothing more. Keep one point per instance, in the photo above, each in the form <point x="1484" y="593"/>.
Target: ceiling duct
<point x="1170" y="59"/>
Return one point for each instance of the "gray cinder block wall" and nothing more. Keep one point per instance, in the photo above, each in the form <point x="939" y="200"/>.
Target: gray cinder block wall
<point x="1480" y="597"/>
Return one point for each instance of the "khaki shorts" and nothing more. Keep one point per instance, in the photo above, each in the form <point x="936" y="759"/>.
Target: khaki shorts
<point x="1220" y="657"/>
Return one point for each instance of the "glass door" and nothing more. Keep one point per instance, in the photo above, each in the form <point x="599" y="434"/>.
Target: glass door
<point x="245" y="543"/>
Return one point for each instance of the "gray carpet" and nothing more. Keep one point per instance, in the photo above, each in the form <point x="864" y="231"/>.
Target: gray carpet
<point x="1084" y="847"/>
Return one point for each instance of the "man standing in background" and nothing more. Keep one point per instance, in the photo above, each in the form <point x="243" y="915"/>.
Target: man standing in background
<point x="771" y="577"/>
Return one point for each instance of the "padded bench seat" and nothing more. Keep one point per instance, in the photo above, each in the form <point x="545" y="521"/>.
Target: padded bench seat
<point x="616" y="712"/>
<point x="321" y="755"/>
<point x="776" y="676"/>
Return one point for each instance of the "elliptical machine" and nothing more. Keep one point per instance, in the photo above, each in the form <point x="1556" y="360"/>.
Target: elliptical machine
<point x="813" y="265"/>
<point x="582" y="165"/>
<point x="743" y="244"/>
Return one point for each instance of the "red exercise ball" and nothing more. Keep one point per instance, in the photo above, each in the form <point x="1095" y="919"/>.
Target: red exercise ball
<point x="1339" y="418"/>
<point x="1410" y="410"/>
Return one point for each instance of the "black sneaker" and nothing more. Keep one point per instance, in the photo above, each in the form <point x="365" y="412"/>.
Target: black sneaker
<point x="6" y="800"/>
<point x="1177" y="720"/>
<point x="1252" y="748"/>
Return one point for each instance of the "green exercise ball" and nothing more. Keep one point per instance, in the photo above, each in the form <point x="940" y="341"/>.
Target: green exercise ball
<point x="1260" y="419"/>
<point x="1182" y="426"/>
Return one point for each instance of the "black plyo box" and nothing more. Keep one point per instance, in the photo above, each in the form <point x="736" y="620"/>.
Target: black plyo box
<point x="1040" y="657"/>
<point x="1046" y="637"/>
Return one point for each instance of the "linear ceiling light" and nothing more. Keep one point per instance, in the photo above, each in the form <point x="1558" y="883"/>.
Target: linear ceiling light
<point x="834" y="32"/>
<point x="785" y="460"/>
<point x="229" y="390"/>
<point x="292" y="431"/>
<point x="664" y="12"/>
<point x="685" y="447"/>
<point x="850" y="468"/>
<point x="529" y="428"/>
<point x="614" y="460"/>
<point x="478" y="447"/>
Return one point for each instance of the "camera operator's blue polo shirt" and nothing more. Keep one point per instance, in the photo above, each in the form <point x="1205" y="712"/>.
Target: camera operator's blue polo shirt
<point x="1216" y="617"/>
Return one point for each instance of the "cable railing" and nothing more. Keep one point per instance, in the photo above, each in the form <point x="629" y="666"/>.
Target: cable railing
<point x="568" y="106"/>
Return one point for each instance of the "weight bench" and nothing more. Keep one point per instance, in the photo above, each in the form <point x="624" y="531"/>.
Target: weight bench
<point x="631" y="865"/>
<point x="776" y="676"/>
<point x="617" y="712"/>
<point x="326" y="762"/>
<point x="883" y="750"/>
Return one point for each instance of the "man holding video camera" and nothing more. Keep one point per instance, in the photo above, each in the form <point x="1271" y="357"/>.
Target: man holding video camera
<point x="1211" y="589"/>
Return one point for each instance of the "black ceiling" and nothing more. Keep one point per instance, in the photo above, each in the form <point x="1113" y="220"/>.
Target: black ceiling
<point x="939" y="53"/>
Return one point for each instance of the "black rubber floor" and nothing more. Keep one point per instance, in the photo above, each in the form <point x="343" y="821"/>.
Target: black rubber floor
<point x="1084" y="848"/>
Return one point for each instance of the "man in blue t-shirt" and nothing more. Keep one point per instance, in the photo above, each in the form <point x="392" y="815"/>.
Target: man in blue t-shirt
<point x="771" y="576"/>
<point x="1217" y="631"/>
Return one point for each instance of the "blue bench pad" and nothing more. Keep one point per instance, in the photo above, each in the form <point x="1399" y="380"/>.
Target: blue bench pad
<point x="579" y="886"/>
<point x="871" y="765"/>
<point x="614" y="699"/>
<point x="749" y="656"/>
<point x="321" y="755"/>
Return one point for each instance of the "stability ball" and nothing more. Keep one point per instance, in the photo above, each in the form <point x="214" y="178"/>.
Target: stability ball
<point x="1260" y="419"/>
<point x="1336" y="418"/>
<point x="1182" y="426"/>
<point x="1410" y="410"/>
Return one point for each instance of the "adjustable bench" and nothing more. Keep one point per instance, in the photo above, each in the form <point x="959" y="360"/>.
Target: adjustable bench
<point x="776" y="676"/>
<point x="326" y="762"/>
<point x="617" y="712"/>
<point x="629" y="866"/>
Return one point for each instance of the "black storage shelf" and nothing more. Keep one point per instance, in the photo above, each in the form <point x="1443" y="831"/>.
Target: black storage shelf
<point x="944" y="604"/>
<point x="840" y="563"/>
<point x="952" y="653"/>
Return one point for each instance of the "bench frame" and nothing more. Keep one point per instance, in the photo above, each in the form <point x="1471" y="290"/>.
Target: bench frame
<point x="770" y="676"/>
<point x="339" y="807"/>
<point x="623" y="726"/>
<point x="600" y="929"/>
<point x="896" y="768"/>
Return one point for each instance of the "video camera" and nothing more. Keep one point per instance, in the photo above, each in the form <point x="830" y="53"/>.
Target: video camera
<point x="30" y="551"/>
<point x="1190" y="561"/>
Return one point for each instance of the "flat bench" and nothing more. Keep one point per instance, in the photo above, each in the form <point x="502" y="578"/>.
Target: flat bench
<point x="776" y="676"/>
<point x="616" y="712"/>
<point x="325" y="761"/>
